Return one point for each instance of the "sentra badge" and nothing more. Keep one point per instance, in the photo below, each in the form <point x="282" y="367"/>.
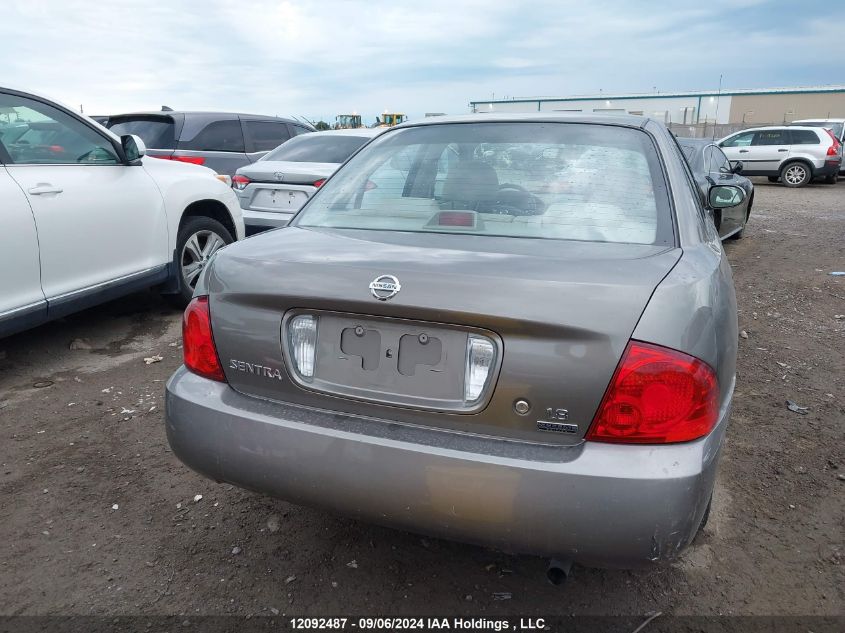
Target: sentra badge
<point x="253" y="368"/>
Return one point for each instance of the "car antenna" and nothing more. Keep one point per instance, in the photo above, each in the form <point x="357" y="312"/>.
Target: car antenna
<point x="716" y="118"/>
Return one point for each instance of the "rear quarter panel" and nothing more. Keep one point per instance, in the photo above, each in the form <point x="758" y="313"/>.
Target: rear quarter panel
<point x="693" y="310"/>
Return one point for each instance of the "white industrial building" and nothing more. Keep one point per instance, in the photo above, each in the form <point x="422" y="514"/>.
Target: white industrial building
<point x="773" y="105"/>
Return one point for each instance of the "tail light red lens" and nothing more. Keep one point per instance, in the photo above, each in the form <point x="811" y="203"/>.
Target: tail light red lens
<point x="194" y="160"/>
<point x="240" y="182"/>
<point x="200" y="353"/>
<point x="833" y="150"/>
<point x="657" y="396"/>
<point x="319" y="183"/>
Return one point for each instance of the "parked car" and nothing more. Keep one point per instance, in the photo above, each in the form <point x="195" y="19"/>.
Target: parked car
<point x="222" y="141"/>
<point x="794" y="155"/>
<point x="837" y="126"/>
<point x="87" y="218"/>
<point x="543" y="372"/>
<point x="710" y="166"/>
<point x="272" y="189"/>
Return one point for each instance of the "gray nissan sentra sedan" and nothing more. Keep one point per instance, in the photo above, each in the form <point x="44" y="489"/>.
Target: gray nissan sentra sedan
<point x="518" y="331"/>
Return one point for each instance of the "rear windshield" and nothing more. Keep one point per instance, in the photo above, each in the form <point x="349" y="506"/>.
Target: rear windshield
<point x="317" y="148"/>
<point x="156" y="132"/>
<point x="836" y="128"/>
<point x="564" y="181"/>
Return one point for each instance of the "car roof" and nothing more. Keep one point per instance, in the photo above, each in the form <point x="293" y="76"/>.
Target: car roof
<point x="361" y="131"/>
<point x="776" y="127"/>
<point x="626" y="120"/>
<point x="695" y="142"/>
<point x="203" y="113"/>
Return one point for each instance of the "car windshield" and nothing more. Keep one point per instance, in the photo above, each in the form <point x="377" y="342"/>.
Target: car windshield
<point x="156" y="132"/>
<point x="836" y="128"/>
<point x="317" y="148"/>
<point x="564" y="181"/>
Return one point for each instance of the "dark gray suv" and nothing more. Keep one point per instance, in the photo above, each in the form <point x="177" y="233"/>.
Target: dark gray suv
<point x="223" y="141"/>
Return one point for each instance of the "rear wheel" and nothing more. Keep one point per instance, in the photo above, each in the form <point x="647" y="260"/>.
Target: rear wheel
<point x="199" y="238"/>
<point x="831" y="180"/>
<point x="795" y="174"/>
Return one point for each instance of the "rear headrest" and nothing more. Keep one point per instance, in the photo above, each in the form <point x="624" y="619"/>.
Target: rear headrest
<point x="471" y="181"/>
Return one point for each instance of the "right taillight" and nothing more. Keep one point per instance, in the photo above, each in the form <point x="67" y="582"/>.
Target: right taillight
<point x="199" y="351"/>
<point x="240" y="182"/>
<point x="657" y="396"/>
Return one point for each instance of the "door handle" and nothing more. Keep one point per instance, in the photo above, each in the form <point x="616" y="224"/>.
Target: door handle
<point x="783" y="150"/>
<point x="44" y="188"/>
<point x="743" y="151"/>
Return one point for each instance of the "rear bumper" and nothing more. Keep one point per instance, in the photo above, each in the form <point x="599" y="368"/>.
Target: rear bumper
<point x="599" y="504"/>
<point x="256" y="221"/>
<point x="828" y="168"/>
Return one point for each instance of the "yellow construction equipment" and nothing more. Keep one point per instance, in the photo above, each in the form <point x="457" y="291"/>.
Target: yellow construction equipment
<point x="348" y="122"/>
<point x="389" y="119"/>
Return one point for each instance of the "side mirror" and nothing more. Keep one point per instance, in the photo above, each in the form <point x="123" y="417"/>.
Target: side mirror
<point x="133" y="148"/>
<point x="736" y="167"/>
<point x="724" y="197"/>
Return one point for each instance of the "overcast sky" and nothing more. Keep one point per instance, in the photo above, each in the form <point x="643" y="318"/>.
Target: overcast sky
<point x="318" y="59"/>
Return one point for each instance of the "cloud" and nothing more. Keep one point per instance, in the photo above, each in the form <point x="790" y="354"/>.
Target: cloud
<point x="318" y="59"/>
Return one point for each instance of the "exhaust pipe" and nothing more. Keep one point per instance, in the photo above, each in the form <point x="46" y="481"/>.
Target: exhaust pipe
<point x="558" y="571"/>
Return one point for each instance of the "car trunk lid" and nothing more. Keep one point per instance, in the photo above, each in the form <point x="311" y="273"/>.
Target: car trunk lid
<point x="285" y="172"/>
<point x="559" y="314"/>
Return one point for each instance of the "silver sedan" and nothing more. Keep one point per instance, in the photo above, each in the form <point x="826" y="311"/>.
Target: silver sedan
<point x="272" y="189"/>
<point x="518" y="331"/>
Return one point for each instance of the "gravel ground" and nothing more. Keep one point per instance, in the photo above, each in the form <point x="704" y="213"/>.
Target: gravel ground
<point x="100" y="518"/>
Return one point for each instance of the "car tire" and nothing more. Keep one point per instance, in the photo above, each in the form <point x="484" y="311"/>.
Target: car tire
<point x="831" y="180"/>
<point x="796" y="174"/>
<point x="198" y="239"/>
<point x="774" y="178"/>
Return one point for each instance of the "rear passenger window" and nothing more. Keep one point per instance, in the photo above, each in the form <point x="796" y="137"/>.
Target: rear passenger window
<point x="771" y="137"/>
<point x="219" y="136"/>
<point x="804" y="137"/>
<point x="298" y="129"/>
<point x="266" y="135"/>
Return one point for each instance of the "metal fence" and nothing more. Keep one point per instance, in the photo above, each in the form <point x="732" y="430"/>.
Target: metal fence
<point x="711" y="130"/>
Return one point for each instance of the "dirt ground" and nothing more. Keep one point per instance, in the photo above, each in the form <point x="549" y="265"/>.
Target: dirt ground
<point x="98" y="517"/>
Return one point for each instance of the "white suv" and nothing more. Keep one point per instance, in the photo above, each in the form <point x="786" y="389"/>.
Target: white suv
<point x="86" y="218"/>
<point x="795" y="155"/>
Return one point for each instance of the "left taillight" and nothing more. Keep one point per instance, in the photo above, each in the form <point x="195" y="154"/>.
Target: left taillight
<point x="199" y="351"/>
<point x="833" y="150"/>
<point x="657" y="396"/>
<point x="240" y="182"/>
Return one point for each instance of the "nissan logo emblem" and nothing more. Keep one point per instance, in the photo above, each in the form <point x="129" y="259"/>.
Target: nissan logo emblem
<point x="385" y="287"/>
